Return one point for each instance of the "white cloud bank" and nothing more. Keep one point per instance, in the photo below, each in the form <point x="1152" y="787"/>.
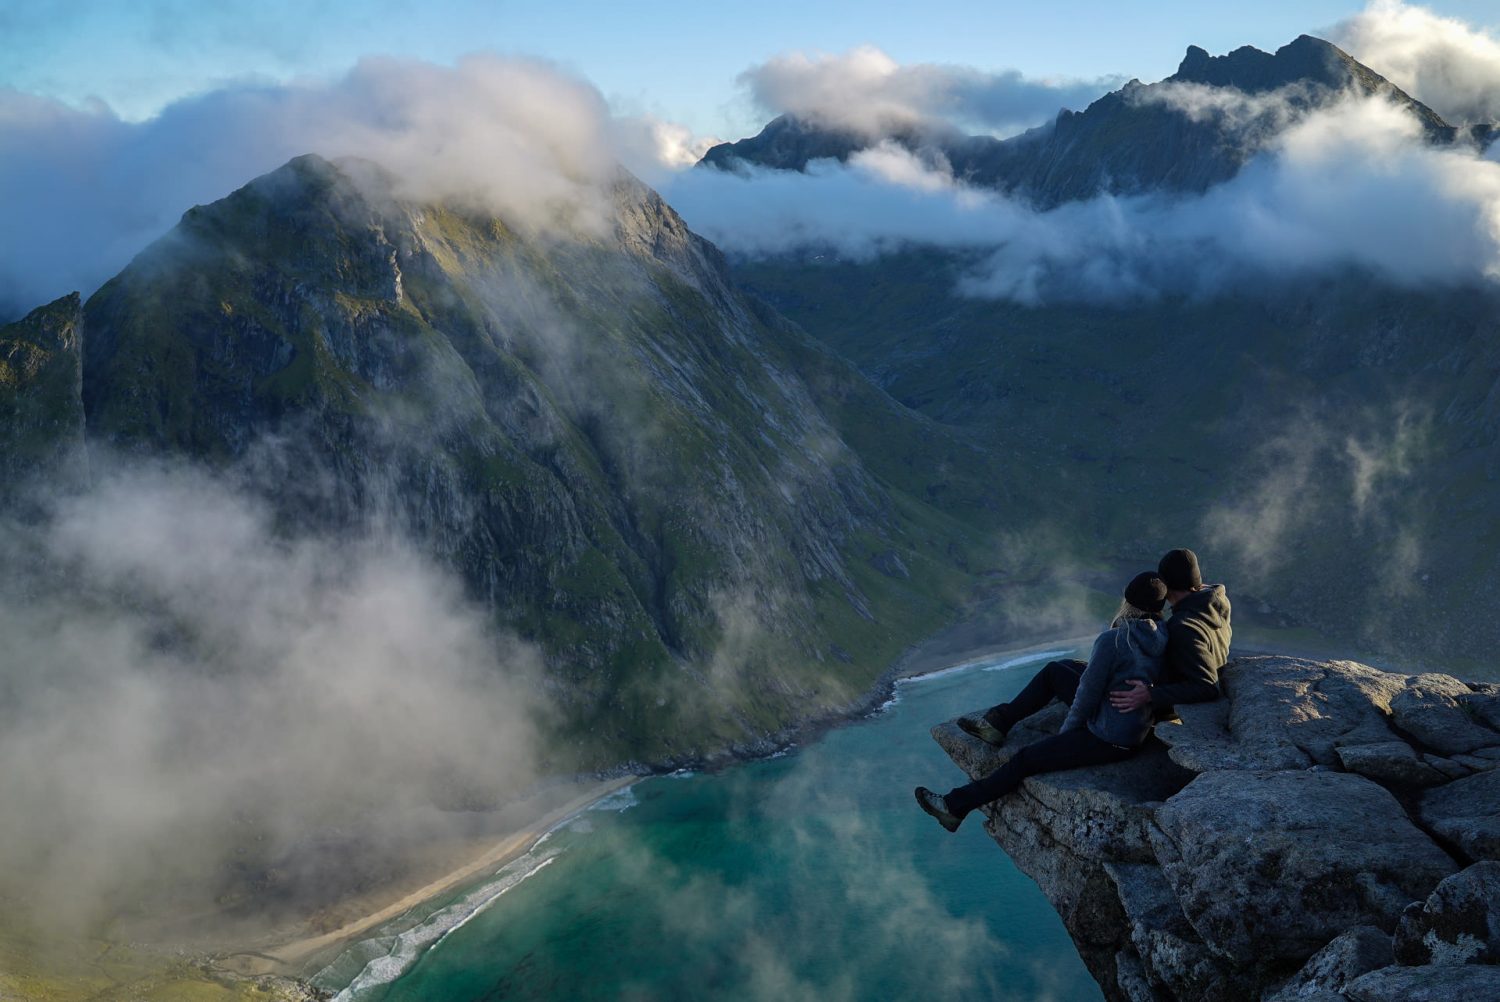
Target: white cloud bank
<point x="1355" y="186"/>
<point x="85" y="190"/>
<point x="867" y="92"/>
<point x="1441" y="61"/>
<point x="188" y="692"/>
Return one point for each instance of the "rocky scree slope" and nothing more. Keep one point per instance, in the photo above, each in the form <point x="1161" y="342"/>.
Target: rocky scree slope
<point x="1138" y="139"/>
<point x="711" y="526"/>
<point x="1327" y="831"/>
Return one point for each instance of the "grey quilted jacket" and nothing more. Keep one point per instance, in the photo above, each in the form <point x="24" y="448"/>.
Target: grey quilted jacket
<point x="1132" y="650"/>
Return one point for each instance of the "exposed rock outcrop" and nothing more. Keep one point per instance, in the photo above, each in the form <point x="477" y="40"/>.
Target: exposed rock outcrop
<point x="1328" y="831"/>
<point x="41" y="398"/>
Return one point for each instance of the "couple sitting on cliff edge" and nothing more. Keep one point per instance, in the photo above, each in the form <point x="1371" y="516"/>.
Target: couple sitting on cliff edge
<point x="1143" y="666"/>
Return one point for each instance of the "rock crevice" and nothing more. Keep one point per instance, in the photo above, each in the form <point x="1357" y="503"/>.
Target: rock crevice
<point x="1327" y="831"/>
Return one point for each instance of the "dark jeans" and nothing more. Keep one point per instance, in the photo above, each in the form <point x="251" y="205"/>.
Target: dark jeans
<point x="1056" y="680"/>
<point x="1060" y="751"/>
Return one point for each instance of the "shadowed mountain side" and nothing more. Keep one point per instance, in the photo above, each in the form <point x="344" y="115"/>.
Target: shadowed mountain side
<point x="1325" y="831"/>
<point x="41" y="407"/>
<point x="712" y="525"/>
<point x="1330" y="446"/>
<point x="1193" y="130"/>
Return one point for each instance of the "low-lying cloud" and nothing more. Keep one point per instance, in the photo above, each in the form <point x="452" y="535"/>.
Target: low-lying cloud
<point x="1352" y="187"/>
<point x="85" y="190"/>
<point x="196" y="705"/>
<point x="866" y="92"/>
<point x="1366" y="472"/>
<point x="1441" y="61"/>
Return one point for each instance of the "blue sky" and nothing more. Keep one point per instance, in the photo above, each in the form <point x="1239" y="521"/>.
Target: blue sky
<point x="213" y="94"/>
<point x="677" y="59"/>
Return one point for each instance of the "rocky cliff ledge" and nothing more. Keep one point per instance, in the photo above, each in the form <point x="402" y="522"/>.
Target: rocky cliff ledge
<point x="1326" y="832"/>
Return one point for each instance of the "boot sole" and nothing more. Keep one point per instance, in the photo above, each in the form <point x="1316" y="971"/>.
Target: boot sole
<point x="948" y="821"/>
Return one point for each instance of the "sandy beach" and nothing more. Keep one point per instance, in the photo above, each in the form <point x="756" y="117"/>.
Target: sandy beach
<point x="289" y="957"/>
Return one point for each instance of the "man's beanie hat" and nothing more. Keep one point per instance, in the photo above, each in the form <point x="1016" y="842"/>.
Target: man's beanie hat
<point x="1147" y="592"/>
<point x="1179" y="569"/>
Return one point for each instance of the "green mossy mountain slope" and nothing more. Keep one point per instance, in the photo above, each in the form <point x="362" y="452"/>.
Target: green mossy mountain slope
<point x="1329" y="445"/>
<point x="712" y="525"/>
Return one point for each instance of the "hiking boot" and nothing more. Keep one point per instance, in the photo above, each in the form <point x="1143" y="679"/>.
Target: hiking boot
<point x="934" y="804"/>
<point x="982" y="729"/>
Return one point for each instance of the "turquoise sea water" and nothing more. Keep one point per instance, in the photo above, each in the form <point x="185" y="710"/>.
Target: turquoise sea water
<point x="812" y="875"/>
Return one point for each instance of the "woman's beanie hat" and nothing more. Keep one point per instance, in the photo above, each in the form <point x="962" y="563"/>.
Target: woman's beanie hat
<point x="1147" y="592"/>
<point x="1179" y="569"/>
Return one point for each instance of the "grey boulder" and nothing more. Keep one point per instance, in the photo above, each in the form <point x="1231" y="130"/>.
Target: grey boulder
<point x="1461" y="983"/>
<point x="1458" y="924"/>
<point x="1359" y="951"/>
<point x="1466" y="812"/>
<point x="1276" y="864"/>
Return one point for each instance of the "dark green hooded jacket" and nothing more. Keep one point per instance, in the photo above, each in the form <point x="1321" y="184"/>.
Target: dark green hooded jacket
<point x="1197" y="647"/>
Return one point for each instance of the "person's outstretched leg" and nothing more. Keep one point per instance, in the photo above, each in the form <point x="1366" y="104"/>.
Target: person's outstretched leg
<point x="1060" y="751"/>
<point x="1056" y="680"/>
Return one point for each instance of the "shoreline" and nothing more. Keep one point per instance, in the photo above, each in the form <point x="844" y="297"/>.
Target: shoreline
<point x="971" y="659"/>
<point x="288" y="957"/>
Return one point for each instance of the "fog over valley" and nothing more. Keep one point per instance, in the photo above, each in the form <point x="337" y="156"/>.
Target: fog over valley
<point x="408" y="443"/>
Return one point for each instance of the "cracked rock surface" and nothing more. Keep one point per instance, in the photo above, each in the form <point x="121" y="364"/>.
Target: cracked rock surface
<point x="1327" y="831"/>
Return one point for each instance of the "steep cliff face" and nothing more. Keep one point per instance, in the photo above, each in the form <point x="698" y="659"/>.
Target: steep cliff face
<point x="41" y="397"/>
<point x="1327" y="831"/>
<point x="711" y="525"/>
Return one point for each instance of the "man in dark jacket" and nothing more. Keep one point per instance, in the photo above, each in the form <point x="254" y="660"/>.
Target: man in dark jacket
<point x="1197" y="640"/>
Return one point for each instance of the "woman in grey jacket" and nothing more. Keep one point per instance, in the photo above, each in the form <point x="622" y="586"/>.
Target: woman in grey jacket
<point x="1094" y="732"/>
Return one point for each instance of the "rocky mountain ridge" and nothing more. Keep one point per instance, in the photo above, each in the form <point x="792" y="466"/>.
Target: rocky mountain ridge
<point x="1160" y="137"/>
<point x="711" y="525"/>
<point x="1326" y="831"/>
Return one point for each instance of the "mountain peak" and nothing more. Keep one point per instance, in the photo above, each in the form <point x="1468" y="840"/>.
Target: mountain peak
<point x="1127" y="141"/>
<point x="786" y="143"/>
<point x="1305" y="59"/>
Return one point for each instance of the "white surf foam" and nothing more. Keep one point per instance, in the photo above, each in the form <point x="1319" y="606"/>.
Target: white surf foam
<point x="979" y="664"/>
<point x="1025" y="659"/>
<point x="390" y="956"/>
<point x="622" y="799"/>
<point x="403" y="949"/>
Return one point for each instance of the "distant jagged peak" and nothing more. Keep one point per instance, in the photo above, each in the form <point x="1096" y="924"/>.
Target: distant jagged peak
<point x="1312" y="70"/>
<point x="788" y="142"/>
<point x="1306" y="59"/>
<point x="1245" y="97"/>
